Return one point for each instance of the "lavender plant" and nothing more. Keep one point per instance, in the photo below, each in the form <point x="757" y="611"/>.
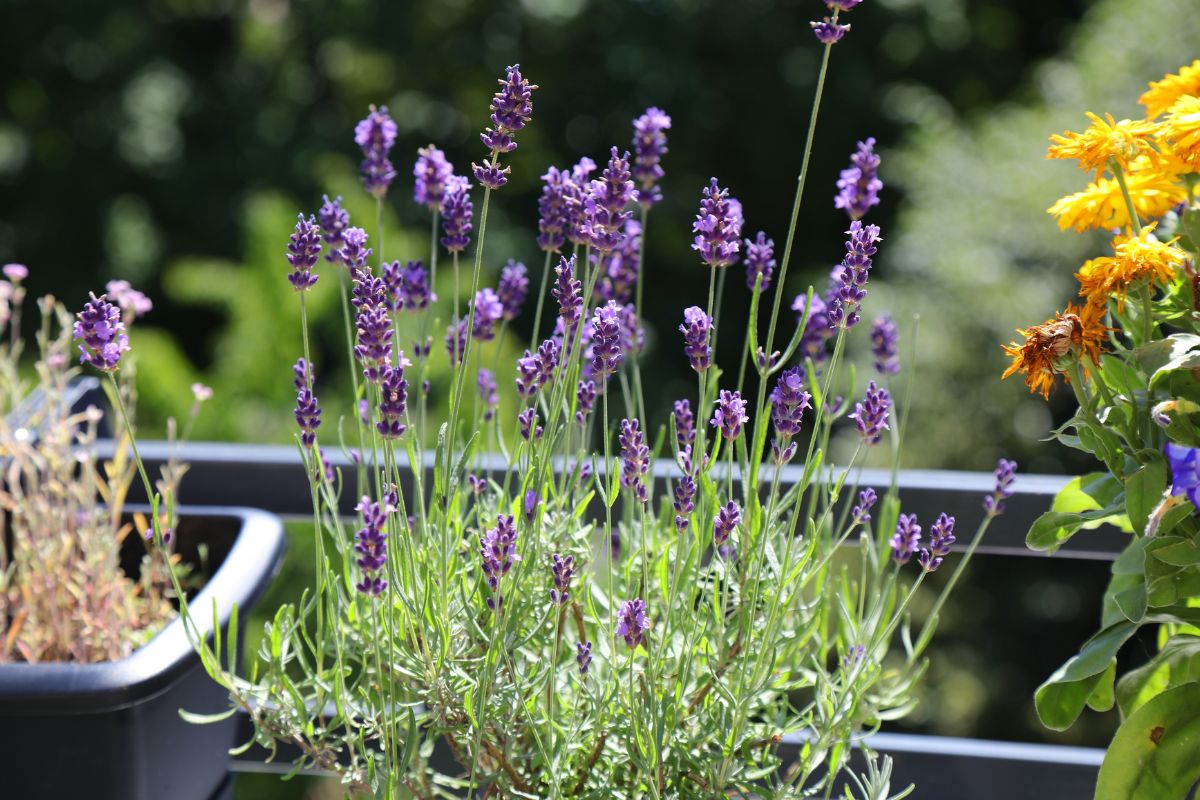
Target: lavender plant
<point x="63" y="593"/>
<point x="607" y="609"/>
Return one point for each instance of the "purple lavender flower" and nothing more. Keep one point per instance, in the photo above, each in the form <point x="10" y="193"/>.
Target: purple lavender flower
<point x="871" y="415"/>
<point x="789" y="402"/>
<point x="101" y="334"/>
<point x="498" y="551"/>
<point x="730" y="414"/>
<point x="859" y="184"/>
<point x="718" y="227"/>
<point x="553" y="210"/>
<point x="529" y="373"/>
<point x="373" y="343"/>
<point x="528" y="419"/>
<point x="301" y="375"/>
<point x="841" y="5"/>
<point x="354" y="252"/>
<point x="885" y="337"/>
<point x="685" y="494"/>
<point x="727" y="519"/>
<point x="326" y="470"/>
<point x="685" y="425"/>
<point x="532" y="501"/>
<point x="333" y="220"/>
<point x="760" y="260"/>
<point x="132" y="303"/>
<point x="371" y="545"/>
<point x="907" y="537"/>
<point x="512" y="108"/>
<point x="304" y="248"/>
<point x="393" y="402"/>
<point x="414" y="287"/>
<point x="1006" y="474"/>
<point x="632" y="623"/>
<point x="375" y="136"/>
<point x="635" y="458"/>
<point x="862" y="512"/>
<point x="308" y="416"/>
<point x="941" y="535"/>
<point x="431" y="172"/>
<point x="649" y="146"/>
<point x="548" y="354"/>
<point x="619" y="268"/>
<point x="633" y="335"/>
<point x="456" y="214"/>
<point x="585" y="396"/>
<point x="486" y="382"/>
<point x="816" y="330"/>
<point x="568" y="291"/>
<point x="605" y="204"/>
<point x="563" y="568"/>
<point x="575" y="191"/>
<point x="512" y="289"/>
<point x="851" y="276"/>
<point x="696" y="327"/>
<point x="583" y="657"/>
<point x="606" y="341"/>
<point x="456" y="341"/>
<point x="478" y="485"/>
<point x="488" y="311"/>
<point x="827" y="31"/>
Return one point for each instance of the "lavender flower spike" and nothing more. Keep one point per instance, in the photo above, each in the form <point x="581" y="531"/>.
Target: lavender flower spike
<point x="727" y="519"/>
<point x="393" y="402"/>
<point x="456" y="340"/>
<point x="871" y="415"/>
<point x="512" y="288"/>
<point x="304" y="248"/>
<point x="606" y="341"/>
<point x="553" y="211"/>
<point x="685" y="494"/>
<point x="817" y="330"/>
<point x="730" y="414"/>
<point x="695" y="328"/>
<point x="632" y="623"/>
<point x="431" y="172"/>
<point x="850" y="277"/>
<point x="789" y="401"/>
<point x="371" y="546"/>
<point x="941" y="536"/>
<point x="1006" y="474"/>
<point x="685" y="425"/>
<point x="861" y="513"/>
<point x="905" y="540"/>
<point x="604" y="205"/>
<point x="568" y="292"/>
<point x="511" y="108"/>
<point x="718" y="227"/>
<point x="649" y="146"/>
<point x="101" y="334"/>
<point x="375" y="135"/>
<point x="333" y="220"/>
<point x="859" y="184"/>
<point x="498" y="551"/>
<point x="585" y="397"/>
<point x="885" y="338"/>
<point x="760" y="260"/>
<point x="415" y="294"/>
<point x="488" y="311"/>
<point x="456" y="214"/>
<point x="635" y="458"/>
<point x="583" y="657"/>
<point x="488" y="392"/>
<point x="307" y="412"/>
<point x="354" y="252"/>
<point x="563" y="568"/>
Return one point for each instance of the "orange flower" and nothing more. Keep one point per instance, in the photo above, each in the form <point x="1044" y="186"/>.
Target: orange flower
<point x="1162" y="94"/>
<point x="1105" y="139"/>
<point x="1101" y="204"/>
<point x="1133" y="258"/>
<point x="1078" y="332"/>
<point x="1181" y="131"/>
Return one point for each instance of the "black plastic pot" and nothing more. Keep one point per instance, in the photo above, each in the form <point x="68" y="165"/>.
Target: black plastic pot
<point x="113" y="730"/>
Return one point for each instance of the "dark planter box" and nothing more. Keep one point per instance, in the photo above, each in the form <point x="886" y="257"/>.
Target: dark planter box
<point x="113" y="730"/>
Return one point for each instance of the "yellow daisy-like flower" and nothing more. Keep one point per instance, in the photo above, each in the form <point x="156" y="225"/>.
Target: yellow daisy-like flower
<point x="1078" y="332"/>
<point x="1101" y="204"/>
<point x="1181" y="131"/>
<point x="1162" y="94"/>
<point x="1104" y="139"/>
<point x="1133" y="258"/>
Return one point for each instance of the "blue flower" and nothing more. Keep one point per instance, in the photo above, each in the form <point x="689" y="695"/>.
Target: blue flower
<point x="1185" y="471"/>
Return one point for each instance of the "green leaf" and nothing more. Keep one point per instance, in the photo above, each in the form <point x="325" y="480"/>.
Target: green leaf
<point x="1089" y="492"/>
<point x="1157" y="356"/>
<point x="1155" y="754"/>
<point x="1177" y="663"/>
<point x="206" y="719"/>
<point x="1144" y="491"/>
<point x="1103" y="696"/>
<point x="1051" y="529"/>
<point x="1062" y="697"/>
<point x="1176" y="551"/>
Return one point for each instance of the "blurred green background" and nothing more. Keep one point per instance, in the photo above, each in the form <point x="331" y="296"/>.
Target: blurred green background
<point x="172" y="142"/>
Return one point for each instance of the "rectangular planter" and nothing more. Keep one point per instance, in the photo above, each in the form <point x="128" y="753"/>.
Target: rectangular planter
<point x="113" y="730"/>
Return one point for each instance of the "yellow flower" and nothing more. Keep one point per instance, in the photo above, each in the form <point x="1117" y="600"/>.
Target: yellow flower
<point x="1133" y="258"/>
<point x="1077" y="332"/>
<point x="1105" y="139"/>
<point x="1101" y="204"/>
<point x="1162" y="94"/>
<point x="1181" y="131"/>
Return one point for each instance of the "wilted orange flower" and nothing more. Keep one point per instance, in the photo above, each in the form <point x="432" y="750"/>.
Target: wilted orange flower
<point x="1101" y="205"/>
<point x="1133" y="258"/>
<point x="1104" y="139"/>
<point x="1181" y="131"/>
<point x="1078" y="332"/>
<point x="1162" y="94"/>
